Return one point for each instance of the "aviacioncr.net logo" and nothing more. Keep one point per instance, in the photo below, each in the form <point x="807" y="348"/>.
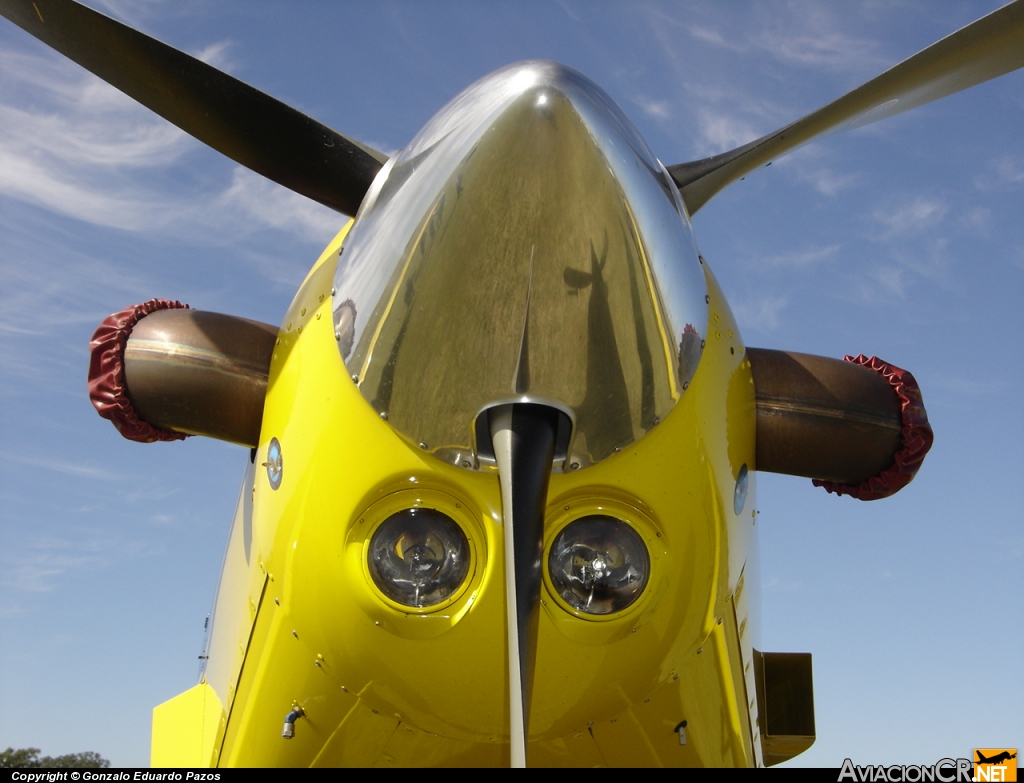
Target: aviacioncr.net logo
<point x="995" y="764"/>
<point x="942" y="771"/>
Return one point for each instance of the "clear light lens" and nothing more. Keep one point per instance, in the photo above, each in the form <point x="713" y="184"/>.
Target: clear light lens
<point x="418" y="557"/>
<point x="599" y="565"/>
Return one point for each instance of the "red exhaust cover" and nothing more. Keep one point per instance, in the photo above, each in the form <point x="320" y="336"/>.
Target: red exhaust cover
<point x="917" y="436"/>
<point x="107" y="388"/>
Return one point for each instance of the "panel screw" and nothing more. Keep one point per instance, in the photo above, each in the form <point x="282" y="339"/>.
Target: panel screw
<point x="707" y="299"/>
<point x="337" y="336"/>
<point x="423" y="446"/>
<point x="295" y="634"/>
<point x="465" y="464"/>
<point x="332" y="290"/>
<point x="574" y="466"/>
<point x="657" y="421"/>
<point x="384" y="415"/>
<point x="703" y="343"/>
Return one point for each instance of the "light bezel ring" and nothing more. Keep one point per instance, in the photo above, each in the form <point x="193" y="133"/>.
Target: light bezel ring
<point x="381" y="511"/>
<point x="565" y="512"/>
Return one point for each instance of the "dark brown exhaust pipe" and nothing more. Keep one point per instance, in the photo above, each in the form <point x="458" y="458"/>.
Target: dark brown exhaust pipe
<point x="857" y="427"/>
<point x="160" y="371"/>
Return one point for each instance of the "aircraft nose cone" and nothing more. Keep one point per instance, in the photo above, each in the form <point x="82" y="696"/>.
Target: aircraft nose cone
<point x="526" y="246"/>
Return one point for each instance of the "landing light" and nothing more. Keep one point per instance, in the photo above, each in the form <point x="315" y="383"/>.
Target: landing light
<point x="418" y="557"/>
<point x="598" y="565"/>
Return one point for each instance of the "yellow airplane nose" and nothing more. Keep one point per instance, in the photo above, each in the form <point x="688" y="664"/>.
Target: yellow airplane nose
<point x="413" y="331"/>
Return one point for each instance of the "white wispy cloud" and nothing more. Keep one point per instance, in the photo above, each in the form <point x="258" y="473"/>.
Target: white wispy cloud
<point x="913" y="217"/>
<point x="761" y="313"/>
<point x="715" y="38"/>
<point x="130" y="12"/>
<point x="962" y="386"/>
<point x="39" y="572"/>
<point x="1006" y="171"/>
<point x="823" y="179"/>
<point x="799" y="259"/>
<point x="217" y="54"/>
<point x="976" y="218"/>
<point x="890" y="280"/>
<point x="62" y="466"/>
<point x="721" y="131"/>
<point x="815" y="36"/>
<point x="929" y="258"/>
<point x="45" y="185"/>
<point x="72" y="282"/>
<point x="276" y="207"/>
<point x="43" y="560"/>
<point x="653" y="108"/>
<point x="820" y="48"/>
<point x="88" y="138"/>
<point x="80" y="148"/>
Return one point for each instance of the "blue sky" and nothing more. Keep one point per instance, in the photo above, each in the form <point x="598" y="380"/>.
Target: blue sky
<point x="903" y="239"/>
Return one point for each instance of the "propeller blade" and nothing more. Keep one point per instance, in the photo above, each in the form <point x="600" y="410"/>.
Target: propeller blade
<point x="235" y="119"/>
<point x="982" y="50"/>
<point x="524" y="438"/>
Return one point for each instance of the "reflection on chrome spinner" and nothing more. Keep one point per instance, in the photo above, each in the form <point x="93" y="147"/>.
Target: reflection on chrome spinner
<point x="526" y="246"/>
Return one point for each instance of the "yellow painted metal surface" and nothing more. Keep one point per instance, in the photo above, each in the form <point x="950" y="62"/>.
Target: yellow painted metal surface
<point x="187" y="729"/>
<point x="382" y="684"/>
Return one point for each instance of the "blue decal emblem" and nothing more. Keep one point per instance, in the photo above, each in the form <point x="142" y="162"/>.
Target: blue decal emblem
<point x="274" y="464"/>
